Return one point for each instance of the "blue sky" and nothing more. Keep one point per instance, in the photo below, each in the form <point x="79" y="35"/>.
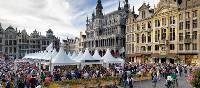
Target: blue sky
<point x="64" y="17"/>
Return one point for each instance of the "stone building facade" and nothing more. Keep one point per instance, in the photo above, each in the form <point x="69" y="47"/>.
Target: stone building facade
<point x="71" y="45"/>
<point x="106" y="30"/>
<point x="168" y="33"/>
<point x="15" y="43"/>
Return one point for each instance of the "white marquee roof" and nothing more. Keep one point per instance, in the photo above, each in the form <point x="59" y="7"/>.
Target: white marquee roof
<point x="78" y="57"/>
<point x="62" y="59"/>
<point x="74" y="55"/>
<point x="108" y="58"/>
<point x="96" y="55"/>
<point x="86" y="56"/>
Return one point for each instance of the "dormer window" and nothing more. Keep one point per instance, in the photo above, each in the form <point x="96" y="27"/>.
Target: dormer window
<point x="143" y="14"/>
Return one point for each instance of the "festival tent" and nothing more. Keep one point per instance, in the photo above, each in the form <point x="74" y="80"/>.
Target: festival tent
<point x="62" y="59"/>
<point x="54" y="53"/>
<point x="77" y="58"/>
<point x="50" y="47"/>
<point x="69" y="55"/>
<point x="109" y="59"/>
<point x="74" y="55"/>
<point x="96" y="55"/>
<point x="87" y="59"/>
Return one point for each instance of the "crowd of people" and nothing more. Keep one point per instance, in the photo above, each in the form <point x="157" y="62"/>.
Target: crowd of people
<point x="29" y="76"/>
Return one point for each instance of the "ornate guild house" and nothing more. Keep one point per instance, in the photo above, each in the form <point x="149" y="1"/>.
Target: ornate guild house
<point x="168" y="33"/>
<point x="107" y="30"/>
<point x="15" y="43"/>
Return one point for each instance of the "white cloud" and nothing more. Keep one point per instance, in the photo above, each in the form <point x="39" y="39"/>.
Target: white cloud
<point x="62" y="16"/>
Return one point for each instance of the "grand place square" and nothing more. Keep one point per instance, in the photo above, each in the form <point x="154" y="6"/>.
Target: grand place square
<point x="100" y="44"/>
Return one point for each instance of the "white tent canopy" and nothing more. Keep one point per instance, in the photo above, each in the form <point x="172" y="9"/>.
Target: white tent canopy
<point x="62" y="59"/>
<point x="96" y="55"/>
<point x="87" y="59"/>
<point x="108" y="58"/>
<point x="74" y="55"/>
<point x="78" y="57"/>
<point x="87" y="56"/>
<point x="50" y="47"/>
<point x="69" y="55"/>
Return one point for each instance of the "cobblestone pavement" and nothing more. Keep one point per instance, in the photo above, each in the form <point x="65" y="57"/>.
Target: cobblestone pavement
<point x="161" y="83"/>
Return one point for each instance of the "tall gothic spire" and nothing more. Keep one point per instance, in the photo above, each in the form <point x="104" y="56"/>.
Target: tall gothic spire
<point x="99" y="8"/>
<point x="126" y="6"/>
<point x="119" y="7"/>
<point x="87" y="20"/>
<point x="133" y="10"/>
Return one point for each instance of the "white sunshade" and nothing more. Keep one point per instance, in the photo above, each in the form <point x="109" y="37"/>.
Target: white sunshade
<point x="47" y="56"/>
<point x="78" y="57"/>
<point x="74" y="55"/>
<point x="50" y="47"/>
<point x="108" y="58"/>
<point x="62" y="59"/>
<point x="69" y="55"/>
<point x="96" y="55"/>
<point x="54" y="53"/>
<point x="86" y="56"/>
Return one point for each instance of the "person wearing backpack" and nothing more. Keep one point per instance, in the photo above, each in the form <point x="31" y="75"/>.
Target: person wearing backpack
<point x="154" y="81"/>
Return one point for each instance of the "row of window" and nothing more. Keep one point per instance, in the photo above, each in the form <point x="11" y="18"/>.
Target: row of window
<point x="130" y="38"/>
<point x="188" y="15"/>
<point x="187" y="24"/>
<point x="187" y="36"/>
<point x="11" y="49"/>
<point x="187" y="46"/>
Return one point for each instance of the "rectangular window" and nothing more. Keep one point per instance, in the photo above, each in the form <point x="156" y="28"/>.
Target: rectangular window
<point x="10" y="42"/>
<point x="180" y="36"/>
<point x="133" y="27"/>
<point x="163" y="34"/>
<point x="15" y="50"/>
<point x="6" y="49"/>
<point x="180" y="46"/>
<point x="149" y="48"/>
<point x="138" y="27"/>
<point x="143" y="14"/>
<point x="194" y="35"/>
<point x="181" y="26"/>
<point x="132" y="48"/>
<point x="138" y="38"/>
<point x="187" y="46"/>
<point x="194" y="23"/>
<point x="172" y="47"/>
<point x="149" y="36"/>
<point x="194" y="46"/>
<point x="10" y="49"/>
<point x="172" y="19"/>
<point x="180" y="16"/>
<point x="172" y="34"/>
<point x="156" y="47"/>
<point x="133" y="38"/>
<point x="156" y="36"/>
<point x="187" y="25"/>
<point x="187" y="35"/>
<point x="187" y="15"/>
<point x="194" y="13"/>
<point x="163" y="21"/>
